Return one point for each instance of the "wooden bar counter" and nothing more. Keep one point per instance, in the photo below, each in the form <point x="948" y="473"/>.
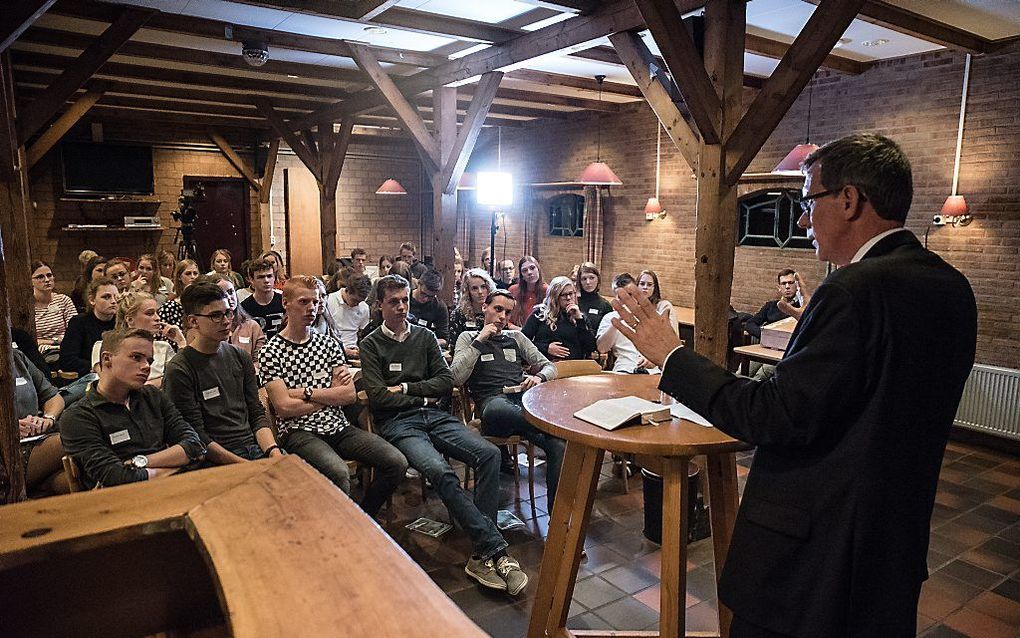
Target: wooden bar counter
<point x="268" y="548"/>
<point x="665" y="448"/>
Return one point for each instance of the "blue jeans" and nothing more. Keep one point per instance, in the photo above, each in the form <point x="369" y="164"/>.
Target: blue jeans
<point x="501" y="416"/>
<point x="424" y="436"/>
<point x="75" y="390"/>
<point x="249" y="452"/>
<point x="326" y="453"/>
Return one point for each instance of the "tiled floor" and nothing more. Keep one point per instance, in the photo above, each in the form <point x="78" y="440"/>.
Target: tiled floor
<point x="974" y="589"/>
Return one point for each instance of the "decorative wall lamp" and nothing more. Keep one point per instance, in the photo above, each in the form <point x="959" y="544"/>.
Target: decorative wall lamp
<point x="598" y="172"/>
<point x="390" y="187"/>
<point x="653" y="209"/>
<point x="954" y="210"/>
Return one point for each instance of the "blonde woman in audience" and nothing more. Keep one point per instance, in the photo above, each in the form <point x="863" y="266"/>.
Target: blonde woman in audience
<point x="279" y="269"/>
<point x="119" y="270"/>
<point x="53" y="311"/>
<point x="184" y="275"/>
<point x="139" y="310"/>
<point x="95" y="267"/>
<point x="557" y="327"/>
<point x="148" y="280"/>
<point x="529" y="290"/>
<point x="167" y="265"/>
<point x="85" y="255"/>
<point x="245" y="332"/>
<point x="220" y="263"/>
<point x="475" y="286"/>
<point x="648" y="283"/>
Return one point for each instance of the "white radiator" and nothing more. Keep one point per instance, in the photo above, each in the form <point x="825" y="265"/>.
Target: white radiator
<point x="991" y="402"/>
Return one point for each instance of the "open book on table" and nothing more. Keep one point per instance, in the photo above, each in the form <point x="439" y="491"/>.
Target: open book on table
<point x="612" y="413"/>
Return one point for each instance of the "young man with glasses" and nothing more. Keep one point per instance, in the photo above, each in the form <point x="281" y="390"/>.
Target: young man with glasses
<point x="426" y="309"/>
<point x="306" y="377"/>
<point x="214" y="386"/>
<point x="118" y="271"/>
<point x="852" y="428"/>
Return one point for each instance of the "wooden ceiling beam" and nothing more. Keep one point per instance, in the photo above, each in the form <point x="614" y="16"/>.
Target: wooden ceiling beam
<point x="446" y="26"/>
<point x="270" y="170"/>
<point x="304" y="153"/>
<point x="235" y="160"/>
<point x="468" y="134"/>
<point x="368" y="9"/>
<point x="776" y="50"/>
<point x="62" y="125"/>
<point x="79" y="71"/>
<point x="573" y="81"/>
<point x="17" y="16"/>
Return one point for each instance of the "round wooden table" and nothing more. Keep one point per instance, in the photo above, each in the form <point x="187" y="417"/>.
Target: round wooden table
<point x="665" y="448"/>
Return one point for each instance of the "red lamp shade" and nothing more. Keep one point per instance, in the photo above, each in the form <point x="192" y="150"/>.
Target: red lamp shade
<point x="599" y="174"/>
<point x="390" y="187"/>
<point x="653" y="207"/>
<point x="955" y="206"/>
<point x="795" y="158"/>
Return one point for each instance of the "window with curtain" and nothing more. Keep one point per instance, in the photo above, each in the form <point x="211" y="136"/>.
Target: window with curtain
<point x="769" y="218"/>
<point x="566" y="215"/>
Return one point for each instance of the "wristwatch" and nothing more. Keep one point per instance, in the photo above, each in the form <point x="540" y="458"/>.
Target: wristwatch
<point x="140" y="462"/>
<point x="308" y="394"/>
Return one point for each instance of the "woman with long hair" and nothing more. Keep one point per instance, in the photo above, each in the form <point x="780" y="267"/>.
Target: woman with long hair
<point x="530" y="289"/>
<point x="557" y="326"/>
<point x="149" y="280"/>
<point x="167" y="264"/>
<point x="245" y="332"/>
<point x="53" y="311"/>
<point x="94" y="267"/>
<point x="279" y="269"/>
<point x="184" y="275"/>
<point x="220" y="262"/>
<point x="475" y="286"/>
<point x="594" y="307"/>
<point x="138" y="309"/>
<point x="648" y="283"/>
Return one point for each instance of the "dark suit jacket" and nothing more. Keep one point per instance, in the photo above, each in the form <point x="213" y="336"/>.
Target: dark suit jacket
<point x="832" y="533"/>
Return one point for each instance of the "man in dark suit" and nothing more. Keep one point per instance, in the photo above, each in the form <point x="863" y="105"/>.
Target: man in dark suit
<point x="832" y="533"/>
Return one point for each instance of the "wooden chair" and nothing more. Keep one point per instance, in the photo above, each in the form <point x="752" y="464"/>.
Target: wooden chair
<point x="576" y="368"/>
<point x="73" y="474"/>
<point x="462" y="399"/>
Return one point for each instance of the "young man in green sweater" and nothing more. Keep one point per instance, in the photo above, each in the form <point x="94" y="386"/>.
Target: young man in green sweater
<point x="405" y="375"/>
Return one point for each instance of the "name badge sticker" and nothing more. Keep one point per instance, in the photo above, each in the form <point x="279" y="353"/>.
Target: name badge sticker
<point x="322" y="374"/>
<point x="21" y="381"/>
<point x="396" y="367"/>
<point x="593" y="311"/>
<point x="509" y="354"/>
<point x="210" y="393"/>
<point x="488" y="357"/>
<point x="423" y="322"/>
<point x="120" y="437"/>
<point x="470" y="324"/>
<point x="244" y="339"/>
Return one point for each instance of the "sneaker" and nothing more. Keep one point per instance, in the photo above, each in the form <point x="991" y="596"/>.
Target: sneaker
<point x="485" y="573"/>
<point x="510" y="570"/>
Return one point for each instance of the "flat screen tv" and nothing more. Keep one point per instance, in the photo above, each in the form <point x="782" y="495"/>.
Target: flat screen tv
<point x="97" y="169"/>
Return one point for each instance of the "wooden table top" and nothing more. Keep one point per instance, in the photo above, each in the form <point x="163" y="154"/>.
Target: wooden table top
<point x="758" y="351"/>
<point x="684" y="316"/>
<point x="550" y="407"/>
<point x="289" y="554"/>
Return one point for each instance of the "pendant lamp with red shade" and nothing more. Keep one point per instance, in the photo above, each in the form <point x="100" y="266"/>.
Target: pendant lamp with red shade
<point x="598" y="172"/>
<point x="796" y="157"/>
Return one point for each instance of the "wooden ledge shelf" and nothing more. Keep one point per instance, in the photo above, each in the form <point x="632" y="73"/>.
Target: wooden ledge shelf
<point x="111" y="229"/>
<point x="268" y="548"/>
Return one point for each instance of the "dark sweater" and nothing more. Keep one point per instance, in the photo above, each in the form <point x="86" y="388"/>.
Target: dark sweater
<point x="83" y="331"/>
<point x="576" y="337"/>
<point x="416" y="361"/>
<point x="218" y="395"/>
<point x="433" y="315"/>
<point x="769" y="313"/>
<point x="594" y="308"/>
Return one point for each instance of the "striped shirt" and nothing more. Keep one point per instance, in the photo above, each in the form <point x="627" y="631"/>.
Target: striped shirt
<point x="51" y="321"/>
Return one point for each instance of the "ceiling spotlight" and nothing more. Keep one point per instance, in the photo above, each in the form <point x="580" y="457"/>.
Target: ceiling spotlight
<point x="874" y="43"/>
<point x="255" y="52"/>
<point x="842" y="42"/>
<point x="375" y="30"/>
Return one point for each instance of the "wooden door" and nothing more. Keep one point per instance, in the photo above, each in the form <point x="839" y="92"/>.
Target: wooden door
<point x="224" y="219"/>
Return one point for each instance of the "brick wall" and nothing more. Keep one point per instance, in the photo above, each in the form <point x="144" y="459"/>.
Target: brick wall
<point x="913" y="100"/>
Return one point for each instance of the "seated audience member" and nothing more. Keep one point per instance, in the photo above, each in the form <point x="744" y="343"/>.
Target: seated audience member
<point x="609" y="340"/>
<point x="148" y="280"/>
<point x="214" y="385"/>
<point x="38" y="404"/>
<point x="458" y="278"/>
<point x="339" y="279"/>
<point x="138" y="310"/>
<point x="485" y="262"/>
<point x="265" y="305"/>
<point x="124" y="430"/>
<point x="308" y="382"/>
<point x="405" y="375"/>
<point x="167" y="265"/>
<point x="648" y="283"/>
<point x="220" y="262"/>
<point x="96" y="267"/>
<point x="427" y="310"/>
<point x="323" y="323"/>
<point x="275" y="259"/>
<point x="594" y="307"/>
<point x="86" y="255"/>
<point x="529" y="291"/>
<point x="249" y="285"/>
<point x="184" y="275"/>
<point x="467" y="315"/>
<point x="359" y="259"/>
<point x="557" y="326"/>
<point x="489" y="360"/>
<point x="385" y="264"/>
<point x="86" y="329"/>
<point x="507" y="274"/>
<point x="245" y="333"/>
<point x="350" y="313"/>
<point x="789" y="291"/>
<point x="119" y="272"/>
<point x="406" y="255"/>
<point x="399" y="268"/>
<point x="53" y="311"/>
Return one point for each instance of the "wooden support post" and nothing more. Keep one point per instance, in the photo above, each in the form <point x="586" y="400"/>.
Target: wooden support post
<point x="59" y="128"/>
<point x="444" y="205"/>
<point x="332" y="153"/>
<point x="235" y="160"/>
<point x="16" y="309"/>
<point x="265" y="193"/>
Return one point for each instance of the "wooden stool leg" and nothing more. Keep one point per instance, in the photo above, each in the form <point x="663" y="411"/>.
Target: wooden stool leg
<point x="722" y="494"/>
<point x="530" y="449"/>
<point x="675" y="501"/>
<point x="579" y="478"/>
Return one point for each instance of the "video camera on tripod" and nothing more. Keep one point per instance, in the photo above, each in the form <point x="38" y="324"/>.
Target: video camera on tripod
<point x="186" y="214"/>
